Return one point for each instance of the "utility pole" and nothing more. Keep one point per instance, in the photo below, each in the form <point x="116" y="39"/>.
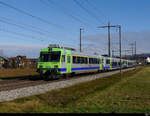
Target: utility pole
<point x="126" y="51"/>
<point x="135" y="48"/>
<point x="135" y="54"/>
<point x="120" y="46"/>
<point x="108" y="26"/>
<point x="112" y="53"/>
<point x="132" y="49"/>
<point x="80" y="38"/>
<point x="109" y="53"/>
<point x="116" y="26"/>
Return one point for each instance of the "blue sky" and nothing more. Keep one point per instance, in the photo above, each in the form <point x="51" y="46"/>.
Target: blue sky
<point x="65" y="17"/>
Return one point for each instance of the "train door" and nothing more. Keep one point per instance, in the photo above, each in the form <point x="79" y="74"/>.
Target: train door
<point x="110" y="63"/>
<point x="127" y="63"/>
<point x="101" y="63"/>
<point x="68" y="61"/>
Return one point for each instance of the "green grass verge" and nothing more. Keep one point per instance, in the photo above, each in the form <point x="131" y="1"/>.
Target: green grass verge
<point x="129" y="93"/>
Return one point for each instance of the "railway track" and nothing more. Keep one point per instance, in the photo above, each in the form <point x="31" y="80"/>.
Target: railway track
<point x="6" y="85"/>
<point x="26" y="82"/>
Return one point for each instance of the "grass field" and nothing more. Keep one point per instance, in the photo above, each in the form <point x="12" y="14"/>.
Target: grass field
<point x="128" y="94"/>
<point x="11" y="73"/>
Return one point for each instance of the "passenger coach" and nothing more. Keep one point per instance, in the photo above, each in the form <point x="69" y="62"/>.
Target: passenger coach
<point x="55" y="61"/>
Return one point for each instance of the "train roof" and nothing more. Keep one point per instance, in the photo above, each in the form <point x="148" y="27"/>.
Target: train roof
<point x="74" y="52"/>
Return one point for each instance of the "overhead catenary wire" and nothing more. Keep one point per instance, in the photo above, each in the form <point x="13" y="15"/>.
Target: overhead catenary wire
<point x="17" y="9"/>
<point x="29" y="36"/>
<point x="15" y="37"/>
<point x="20" y="26"/>
<point x="96" y="9"/>
<point x="66" y="12"/>
<point x="24" y="27"/>
<point x="21" y="34"/>
<point x="30" y="15"/>
<point x="43" y="31"/>
<point x="28" y="25"/>
<point x="88" y="11"/>
<point x="26" y="35"/>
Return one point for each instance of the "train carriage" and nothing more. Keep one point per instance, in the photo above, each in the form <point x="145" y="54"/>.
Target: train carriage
<point x="55" y="61"/>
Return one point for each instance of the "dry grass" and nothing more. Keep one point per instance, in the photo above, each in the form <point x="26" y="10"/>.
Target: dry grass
<point x="9" y="73"/>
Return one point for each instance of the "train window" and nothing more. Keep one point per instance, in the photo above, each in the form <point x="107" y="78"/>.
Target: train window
<point x="63" y="58"/>
<point x="114" y="63"/>
<point x="85" y="61"/>
<point x="81" y="60"/>
<point x="94" y="61"/>
<point x="98" y="61"/>
<point x="107" y="61"/>
<point x="74" y="59"/>
<point x="78" y="60"/>
<point x="90" y="60"/>
<point x="50" y="56"/>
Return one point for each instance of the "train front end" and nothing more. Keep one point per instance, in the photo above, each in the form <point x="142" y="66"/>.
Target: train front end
<point x="49" y="62"/>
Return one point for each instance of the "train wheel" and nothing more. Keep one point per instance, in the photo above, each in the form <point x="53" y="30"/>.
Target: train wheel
<point x="72" y="74"/>
<point x="42" y="76"/>
<point x="53" y="76"/>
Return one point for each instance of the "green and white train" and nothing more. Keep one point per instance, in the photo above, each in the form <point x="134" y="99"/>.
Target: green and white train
<point x="55" y="61"/>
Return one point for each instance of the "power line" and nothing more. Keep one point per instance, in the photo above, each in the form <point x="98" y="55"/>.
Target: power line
<point x="24" y="26"/>
<point x="89" y="12"/>
<point x="96" y="9"/>
<point x="24" y="35"/>
<point x="65" y="11"/>
<point x="32" y="27"/>
<point x="20" y="26"/>
<point x="16" y="38"/>
<point x="27" y="25"/>
<point x="28" y="14"/>
<point x="20" y="34"/>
